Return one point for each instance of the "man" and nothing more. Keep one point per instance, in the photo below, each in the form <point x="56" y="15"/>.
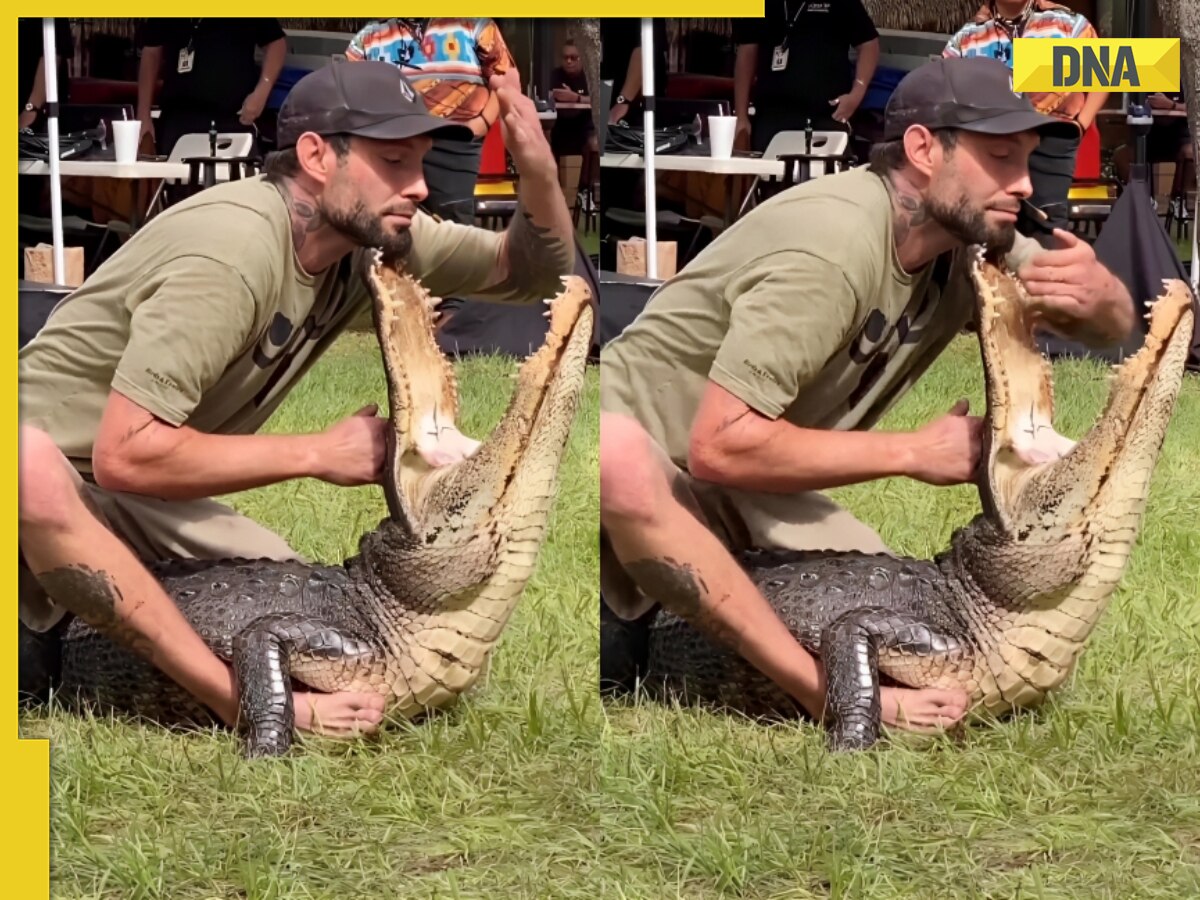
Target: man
<point x="209" y="75"/>
<point x="794" y="62"/>
<point x="990" y="35"/>
<point x="752" y="379"/>
<point x="142" y="395"/>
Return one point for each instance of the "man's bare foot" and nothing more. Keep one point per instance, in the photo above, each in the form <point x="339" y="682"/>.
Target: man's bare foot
<point x="927" y="710"/>
<point x="342" y="714"/>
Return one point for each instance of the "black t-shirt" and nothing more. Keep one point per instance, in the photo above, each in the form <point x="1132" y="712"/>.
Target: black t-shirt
<point x="819" y="37"/>
<point x="29" y="56"/>
<point x="618" y="39"/>
<point x="223" y="69"/>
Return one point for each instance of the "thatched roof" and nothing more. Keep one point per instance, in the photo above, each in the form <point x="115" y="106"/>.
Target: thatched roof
<point x="922" y="15"/>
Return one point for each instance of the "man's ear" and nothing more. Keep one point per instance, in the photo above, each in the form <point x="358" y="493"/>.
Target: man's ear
<point x="315" y="156"/>
<point x="919" y="144"/>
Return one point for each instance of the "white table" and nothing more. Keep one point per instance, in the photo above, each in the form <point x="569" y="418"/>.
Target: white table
<point x="99" y="168"/>
<point x="678" y="162"/>
<point x="754" y="166"/>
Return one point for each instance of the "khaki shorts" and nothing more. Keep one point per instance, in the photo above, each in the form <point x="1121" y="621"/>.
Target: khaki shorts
<point x="157" y="529"/>
<point x="741" y="520"/>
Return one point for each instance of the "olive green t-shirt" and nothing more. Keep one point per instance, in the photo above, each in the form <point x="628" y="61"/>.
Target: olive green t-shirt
<point x="207" y="318"/>
<point x="801" y="310"/>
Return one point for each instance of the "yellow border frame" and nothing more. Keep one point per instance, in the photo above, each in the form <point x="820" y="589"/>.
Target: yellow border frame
<point x="25" y="764"/>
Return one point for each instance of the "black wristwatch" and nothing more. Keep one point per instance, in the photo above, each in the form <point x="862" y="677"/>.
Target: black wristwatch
<point x="620" y="99"/>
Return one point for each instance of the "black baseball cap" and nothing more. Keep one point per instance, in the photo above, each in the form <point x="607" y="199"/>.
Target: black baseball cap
<point x="370" y="98"/>
<point x="974" y="93"/>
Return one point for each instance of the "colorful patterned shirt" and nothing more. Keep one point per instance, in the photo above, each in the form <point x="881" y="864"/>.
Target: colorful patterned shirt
<point x="448" y="61"/>
<point x="991" y="36"/>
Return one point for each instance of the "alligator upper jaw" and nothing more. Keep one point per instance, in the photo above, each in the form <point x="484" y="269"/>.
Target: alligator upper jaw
<point x="463" y="496"/>
<point x="1034" y="483"/>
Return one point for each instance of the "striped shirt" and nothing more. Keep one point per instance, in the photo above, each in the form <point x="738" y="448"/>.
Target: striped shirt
<point x="989" y="36"/>
<point x="448" y="61"/>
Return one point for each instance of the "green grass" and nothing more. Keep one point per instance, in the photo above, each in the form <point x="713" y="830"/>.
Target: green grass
<point x="496" y="798"/>
<point x="531" y="788"/>
<point x="1095" y="795"/>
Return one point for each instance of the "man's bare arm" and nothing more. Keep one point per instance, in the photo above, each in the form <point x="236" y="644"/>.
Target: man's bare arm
<point x="137" y="452"/>
<point x="539" y="246"/>
<point x="734" y="445"/>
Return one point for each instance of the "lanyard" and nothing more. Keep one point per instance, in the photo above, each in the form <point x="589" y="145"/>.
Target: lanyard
<point x="792" y="24"/>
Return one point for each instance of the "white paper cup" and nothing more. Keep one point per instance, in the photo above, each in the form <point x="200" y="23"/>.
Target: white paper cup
<point x="125" y="139"/>
<point x="720" y="136"/>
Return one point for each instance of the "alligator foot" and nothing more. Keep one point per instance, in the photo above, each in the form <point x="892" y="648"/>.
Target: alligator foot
<point x="265" y="656"/>
<point x="850" y="647"/>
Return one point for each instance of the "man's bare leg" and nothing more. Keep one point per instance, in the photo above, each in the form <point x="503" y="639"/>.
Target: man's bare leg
<point x="674" y="558"/>
<point x="90" y="571"/>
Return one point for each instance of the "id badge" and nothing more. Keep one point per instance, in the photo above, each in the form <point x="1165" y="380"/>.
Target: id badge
<point x="779" y="59"/>
<point x="186" y="58"/>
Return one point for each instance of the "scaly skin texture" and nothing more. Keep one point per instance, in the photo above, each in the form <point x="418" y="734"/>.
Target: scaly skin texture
<point x="1005" y="610"/>
<point x="415" y="614"/>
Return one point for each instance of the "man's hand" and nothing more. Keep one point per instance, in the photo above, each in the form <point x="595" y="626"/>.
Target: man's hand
<point x="352" y="451"/>
<point x="253" y="106"/>
<point x="617" y="113"/>
<point x="1073" y="293"/>
<point x="521" y="128"/>
<point x="26" y="119"/>
<point x="742" y="133"/>
<point x="947" y="450"/>
<point x="846" y="105"/>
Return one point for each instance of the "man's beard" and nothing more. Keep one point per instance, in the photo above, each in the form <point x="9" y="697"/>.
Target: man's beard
<point x="970" y="225"/>
<point x="367" y="230"/>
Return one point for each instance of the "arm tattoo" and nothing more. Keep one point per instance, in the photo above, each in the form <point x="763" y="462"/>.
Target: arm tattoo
<point x="536" y="257"/>
<point x="93" y="596"/>
<point x="678" y="588"/>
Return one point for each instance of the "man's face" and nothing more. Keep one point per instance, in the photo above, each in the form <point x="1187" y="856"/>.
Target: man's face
<point x="976" y="187"/>
<point x="570" y="60"/>
<point x="373" y="194"/>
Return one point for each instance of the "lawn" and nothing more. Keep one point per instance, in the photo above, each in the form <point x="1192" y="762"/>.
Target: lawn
<point x="1097" y="795"/>
<point x="497" y="798"/>
<point x="531" y="788"/>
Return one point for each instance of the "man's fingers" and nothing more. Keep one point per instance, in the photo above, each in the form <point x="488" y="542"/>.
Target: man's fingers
<point x="369" y="410"/>
<point x="960" y="408"/>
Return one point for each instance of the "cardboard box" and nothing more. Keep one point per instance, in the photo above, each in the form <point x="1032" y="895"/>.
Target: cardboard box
<point x="631" y="258"/>
<point x="39" y="265"/>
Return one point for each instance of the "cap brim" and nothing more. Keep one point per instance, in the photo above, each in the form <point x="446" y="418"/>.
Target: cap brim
<point x="1017" y="121"/>
<point x="403" y="127"/>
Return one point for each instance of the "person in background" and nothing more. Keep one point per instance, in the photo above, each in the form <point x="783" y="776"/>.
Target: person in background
<point x="573" y="132"/>
<point x="31" y="66"/>
<point x="991" y="34"/>
<point x="31" y="94"/>
<point x="794" y="63"/>
<point x="621" y="63"/>
<point x="209" y="75"/>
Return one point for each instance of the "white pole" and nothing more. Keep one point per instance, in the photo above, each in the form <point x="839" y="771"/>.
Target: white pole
<point x="50" y="57"/>
<point x="648" y="147"/>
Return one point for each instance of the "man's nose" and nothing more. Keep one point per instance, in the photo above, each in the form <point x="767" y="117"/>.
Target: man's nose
<point x="416" y="190"/>
<point x="1023" y="186"/>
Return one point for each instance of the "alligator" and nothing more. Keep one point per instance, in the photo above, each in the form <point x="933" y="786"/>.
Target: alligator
<point x="1004" y="612"/>
<point x="416" y="613"/>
